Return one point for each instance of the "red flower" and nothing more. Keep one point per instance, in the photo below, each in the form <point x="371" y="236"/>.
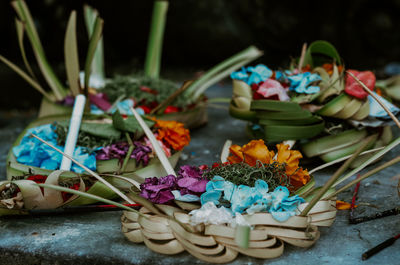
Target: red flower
<point x="145" y="109"/>
<point x="148" y="90"/>
<point x="215" y="165"/>
<point x="354" y="89"/>
<point x="203" y="167"/>
<point x="37" y="178"/>
<point x="171" y="109"/>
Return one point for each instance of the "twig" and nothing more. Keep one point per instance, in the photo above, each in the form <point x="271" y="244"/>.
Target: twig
<point x="117" y="191"/>
<point x="376" y="98"/>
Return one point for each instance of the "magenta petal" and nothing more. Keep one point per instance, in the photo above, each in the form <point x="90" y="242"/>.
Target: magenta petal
<point x="200" y="186"/>
<point x="100" y="101"/>
<point x="186" y="182"/>
<point x="165" y="196"/>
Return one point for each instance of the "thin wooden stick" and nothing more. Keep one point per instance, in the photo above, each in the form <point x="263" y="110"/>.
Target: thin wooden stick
<point x="342" y="159"/>
<point x="303" y="55"/>
<point x="335" y="176"/>
<point x="160" y="153"/>
<point x="366" y="175"/>
<point x="376" y="98"/>
<point x="94" y="174"/>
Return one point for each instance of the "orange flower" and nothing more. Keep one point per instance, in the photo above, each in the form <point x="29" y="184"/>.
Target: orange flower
<point x="329" y="68"/>
<point x="250" y="153"/>
<point x="298" y="176"/>
<point x="172" y="133"/>
<point x="256" y="150"/>
<point x="341" y="205"/>
<point x="237" y="155"/>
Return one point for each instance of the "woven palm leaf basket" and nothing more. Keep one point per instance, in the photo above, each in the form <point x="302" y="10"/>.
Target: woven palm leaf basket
<point x="216" y="243"/>
<point x="168" y="227"/>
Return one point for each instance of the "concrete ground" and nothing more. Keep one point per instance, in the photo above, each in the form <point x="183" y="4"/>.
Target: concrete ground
<point x="96" y="238"/>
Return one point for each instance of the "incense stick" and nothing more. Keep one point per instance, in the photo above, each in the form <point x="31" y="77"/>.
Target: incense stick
<point x="380" y="247"/>
<point x="73" y="131"/>
<point x="362" y="219"/>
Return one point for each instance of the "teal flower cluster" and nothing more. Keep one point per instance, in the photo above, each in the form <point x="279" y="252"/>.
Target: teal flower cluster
<point x="243" y="198"/>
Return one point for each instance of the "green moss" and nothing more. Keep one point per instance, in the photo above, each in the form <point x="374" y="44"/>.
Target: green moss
<point x="243" y="174"/>
<point x="130" y="86"/>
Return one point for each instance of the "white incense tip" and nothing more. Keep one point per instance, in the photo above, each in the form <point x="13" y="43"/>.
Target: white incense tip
<point x="73" y="131"/>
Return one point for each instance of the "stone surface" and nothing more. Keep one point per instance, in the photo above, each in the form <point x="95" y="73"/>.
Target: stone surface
<point x="96" y="238"/>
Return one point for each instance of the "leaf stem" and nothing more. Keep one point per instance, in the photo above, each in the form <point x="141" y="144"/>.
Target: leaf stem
<point x="221" y="70"/>
<point x="154" y="46"/>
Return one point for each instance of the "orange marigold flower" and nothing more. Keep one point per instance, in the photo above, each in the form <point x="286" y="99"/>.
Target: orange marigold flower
<point x="298" y="176"/>
<point x="290" y="157"/>
<point x="172" y="133"/>
<point x="237" y="155"/>
<point x="255" y="151"/>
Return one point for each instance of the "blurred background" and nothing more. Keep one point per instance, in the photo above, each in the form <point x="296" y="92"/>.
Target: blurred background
<point x="202" y="33"/>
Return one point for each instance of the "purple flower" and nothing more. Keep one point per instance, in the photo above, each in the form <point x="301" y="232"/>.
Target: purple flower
<point x="158" y="190"/>
<point x="68" y="101"/>
<point x="141" y="153"/>
<point x="191" y="181"/>
<point x="119" y="150"/>
<point x="190" y="171"/>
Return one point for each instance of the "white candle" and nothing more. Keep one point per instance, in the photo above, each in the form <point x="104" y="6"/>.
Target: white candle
<point x="73" y="131"/>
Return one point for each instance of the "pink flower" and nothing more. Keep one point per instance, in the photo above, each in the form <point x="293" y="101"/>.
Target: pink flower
<point x="270" y="88"/>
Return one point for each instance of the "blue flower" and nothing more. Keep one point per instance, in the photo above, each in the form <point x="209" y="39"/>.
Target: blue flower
<point x="252" y="199"/>
<point x="252" y="74"/>
<point x="214" y="190"/>
<point x="259" y="73"/>
<point x="242" y="198"/>
<point x="32" y="152"/>
<point x="301" y="83"/>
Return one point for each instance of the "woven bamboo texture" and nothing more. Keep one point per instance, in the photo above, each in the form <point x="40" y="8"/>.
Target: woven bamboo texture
<point x="166" y="234"/>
